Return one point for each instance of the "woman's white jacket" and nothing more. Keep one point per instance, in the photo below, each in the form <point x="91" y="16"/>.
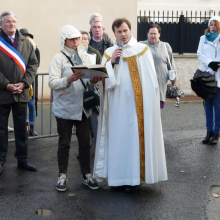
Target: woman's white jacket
<point x="207" y="52"/>
<point x="67" y="100"/>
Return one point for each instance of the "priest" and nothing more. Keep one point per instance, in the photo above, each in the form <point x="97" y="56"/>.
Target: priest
<point x="130" y="146"/>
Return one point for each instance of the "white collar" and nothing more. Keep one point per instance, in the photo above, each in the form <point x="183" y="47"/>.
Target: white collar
<point x="12" y="36"/>
<point x="130" y="43"/>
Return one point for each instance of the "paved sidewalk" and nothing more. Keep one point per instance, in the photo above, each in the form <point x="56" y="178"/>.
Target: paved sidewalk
<point x="193" y="168"/>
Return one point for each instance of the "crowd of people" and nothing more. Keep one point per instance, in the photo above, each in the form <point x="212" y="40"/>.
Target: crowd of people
<point x="127" y="125"/>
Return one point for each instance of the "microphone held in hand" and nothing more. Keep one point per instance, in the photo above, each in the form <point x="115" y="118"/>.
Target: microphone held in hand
<point x="120" y="45"/>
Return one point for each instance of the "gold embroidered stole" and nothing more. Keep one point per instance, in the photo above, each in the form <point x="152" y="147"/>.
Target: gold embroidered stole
<point x="137" y="87"/>
<point x="103" y="80"/>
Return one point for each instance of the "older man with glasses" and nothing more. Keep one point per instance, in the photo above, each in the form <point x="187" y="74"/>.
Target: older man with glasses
<point x="17" y="71"/>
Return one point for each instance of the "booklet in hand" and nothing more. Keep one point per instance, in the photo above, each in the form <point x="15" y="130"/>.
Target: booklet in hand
<point x="90" y="71"/>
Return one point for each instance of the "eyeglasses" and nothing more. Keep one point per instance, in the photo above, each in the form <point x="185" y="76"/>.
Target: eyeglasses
<point x="9" y="22"/>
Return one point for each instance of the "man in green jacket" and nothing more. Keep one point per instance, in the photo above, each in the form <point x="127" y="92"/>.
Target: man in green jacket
<point x="17" y="71"/>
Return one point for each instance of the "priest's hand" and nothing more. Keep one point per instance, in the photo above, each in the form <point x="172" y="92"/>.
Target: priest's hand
<point x="116" y="53"/>
<point x="74" y="76"/>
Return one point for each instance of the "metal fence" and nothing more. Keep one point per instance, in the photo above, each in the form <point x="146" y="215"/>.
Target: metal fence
<point x="43" y="120"/>
<point x="181" y="31"/>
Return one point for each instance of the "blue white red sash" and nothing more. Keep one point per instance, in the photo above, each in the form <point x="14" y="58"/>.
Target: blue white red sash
<point x="11" y="52"/>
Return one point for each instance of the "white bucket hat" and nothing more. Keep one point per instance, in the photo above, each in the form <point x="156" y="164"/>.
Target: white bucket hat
<point x="68" y="32"/>
<point x="215" y="18"/>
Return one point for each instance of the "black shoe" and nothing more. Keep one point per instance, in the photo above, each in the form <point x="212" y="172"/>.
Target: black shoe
<point x="214" y="139"/>
<point x="89" y="181"/>
<point x="209" y="135"/>
<point x="1" y="169"/>
<point x="27" y="166"/>
<point x="130" y="189"/>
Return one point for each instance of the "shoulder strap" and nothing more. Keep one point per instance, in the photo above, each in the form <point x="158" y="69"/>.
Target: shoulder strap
<point x="73" y="65"/>
<point x="167" y="55"/>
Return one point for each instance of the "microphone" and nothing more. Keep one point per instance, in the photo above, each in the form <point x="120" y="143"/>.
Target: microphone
<point x="120" y="45"/>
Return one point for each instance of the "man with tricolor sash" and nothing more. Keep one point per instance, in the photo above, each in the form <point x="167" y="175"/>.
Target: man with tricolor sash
<point x="130" y="146"/>
<point x="18" y="66"/>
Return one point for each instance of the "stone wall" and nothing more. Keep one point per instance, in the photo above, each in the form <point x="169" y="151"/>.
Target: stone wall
<point x="186" y="66"/>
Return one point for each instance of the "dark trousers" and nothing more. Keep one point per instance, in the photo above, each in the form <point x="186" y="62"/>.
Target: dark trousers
<point x="19" y="112"/>
<point x="64" y="129"/>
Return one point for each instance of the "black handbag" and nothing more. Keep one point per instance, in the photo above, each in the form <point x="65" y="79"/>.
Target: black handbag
<point x="90" y="98"/>
<point x="204" y="84"/>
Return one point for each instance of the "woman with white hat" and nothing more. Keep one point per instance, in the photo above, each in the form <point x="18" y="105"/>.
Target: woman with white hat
<point x="68" y="106"/>
<point x="209" y="55"/>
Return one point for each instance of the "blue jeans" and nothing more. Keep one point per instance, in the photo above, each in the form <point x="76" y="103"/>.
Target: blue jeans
<point x="212" y="110"/>
<point x="32" y="111"/>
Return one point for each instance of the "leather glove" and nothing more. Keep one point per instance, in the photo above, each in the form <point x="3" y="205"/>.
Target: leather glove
<point x="214" y="65"/>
